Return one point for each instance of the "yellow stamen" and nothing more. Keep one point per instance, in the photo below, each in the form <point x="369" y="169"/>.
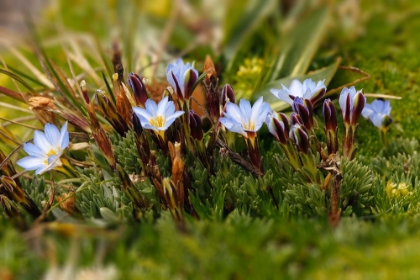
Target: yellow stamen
<point x="158" y="121"/>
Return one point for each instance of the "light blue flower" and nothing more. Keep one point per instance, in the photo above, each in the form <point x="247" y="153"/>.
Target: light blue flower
<point x="306" y="90"/>
<point x="243" y="119"/>
<point x="157" y="117"/>
<point x="379" y="112"/>
<point x="182" y="78"/>
<point x="45" y="152"/>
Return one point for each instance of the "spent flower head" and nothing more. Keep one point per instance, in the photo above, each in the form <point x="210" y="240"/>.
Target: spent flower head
<point x="306" y="90"/>
<point x="182" y="77"/>
<point x="45" y="152"/>
<point x="245" y="119"/>
<point x="157" y="117"/>
<point x="379" y="113"/>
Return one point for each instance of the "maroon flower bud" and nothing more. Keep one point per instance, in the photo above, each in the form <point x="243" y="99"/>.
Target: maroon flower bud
<point x="278" y="126"/>
<point x="138" y="88"/>
<point x="295" y="119"/>
<point x="227" y="95"/>
<point x="299" y="135"/>
<point x="330" y="117"/>
<point x="195" y="125"/>
<point x="304" y="108"/>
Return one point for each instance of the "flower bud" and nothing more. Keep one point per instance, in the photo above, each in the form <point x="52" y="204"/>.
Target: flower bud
<point x="304" y="108"/>
<point x="227" y="95"/>
<point x="295" y="119"/>
<point x="330" y="115"/>
<point x="195" y="125"/>
<point x="300" y="137"/>
<point x="352" y="104"/>
<point x="139" y="89"/>
<point x="182" y="78"/>
<point x="278" y="126"/>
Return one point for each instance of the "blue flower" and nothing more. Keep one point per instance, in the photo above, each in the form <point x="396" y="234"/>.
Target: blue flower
<point x="47" y="149"/>
<point x="379" y="112"/>
<point x="306" y="90"/>
<point x="243" y="119"/>
<point x="157" y="117"/>
<point x="182" y="77"/>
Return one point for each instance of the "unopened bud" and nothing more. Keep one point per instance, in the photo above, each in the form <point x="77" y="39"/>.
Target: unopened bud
<point x="139" y="89"/>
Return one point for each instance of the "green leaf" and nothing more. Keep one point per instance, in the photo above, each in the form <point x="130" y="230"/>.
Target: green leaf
<point x="326" y="73"/>
<point x="301" y="44"/>
<point x="253" y="15"/>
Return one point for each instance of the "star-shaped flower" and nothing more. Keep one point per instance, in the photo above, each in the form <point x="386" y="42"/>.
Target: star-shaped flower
<point x="379" y="113"/>
<point x="243" y="119"/>
<point x="157" y="117"/>
<point x="306" y="90"/>
<point x="47" y="149"/>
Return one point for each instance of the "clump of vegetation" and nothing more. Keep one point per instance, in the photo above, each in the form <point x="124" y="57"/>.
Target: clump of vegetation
<point x="167" y="170"/>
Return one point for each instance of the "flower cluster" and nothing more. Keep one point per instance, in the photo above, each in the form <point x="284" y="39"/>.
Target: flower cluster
<point x="149" y="124"/>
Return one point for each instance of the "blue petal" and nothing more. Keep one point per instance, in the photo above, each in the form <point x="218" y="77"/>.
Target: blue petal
<point x="343" y="97"/>
<point x="233" y="112"/>
<point x="245" y="109"/>
<point x="255" y="111"/>
<point x="367" y="111"/>
<point x="143" y="115"/>
<point x="64" y="137"/>
<point x="151" y="107"/>
<point x="33" y="150"/>
<point x="162" y="106"/>
<point x="282" y="94"/>
<point x="233" y="126"/>
<point x="377" y="120"/>
<point x="52" y="134"/>
<point x="31" y="163"/>
<point x="172" y="118"/>
<point x="263" y="112"/>
<point x="41" y="141"/>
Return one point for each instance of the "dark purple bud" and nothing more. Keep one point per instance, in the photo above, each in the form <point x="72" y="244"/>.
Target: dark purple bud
<point x="190" y="79"/>
<point x="304" y="108"/>
<point x="227" y="95"/>
<point x="300" y="137"/>
<point x="359" y="101"/>
<point x="138" y="88"/>
<point x="295" y="119"/>
<point x="278" y="126"/>
<point x="330" y="115"/>
<point x="195" y="125"/>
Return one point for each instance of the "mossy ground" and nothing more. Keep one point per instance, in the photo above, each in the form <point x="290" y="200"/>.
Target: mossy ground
<point x="384" y="245"/>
